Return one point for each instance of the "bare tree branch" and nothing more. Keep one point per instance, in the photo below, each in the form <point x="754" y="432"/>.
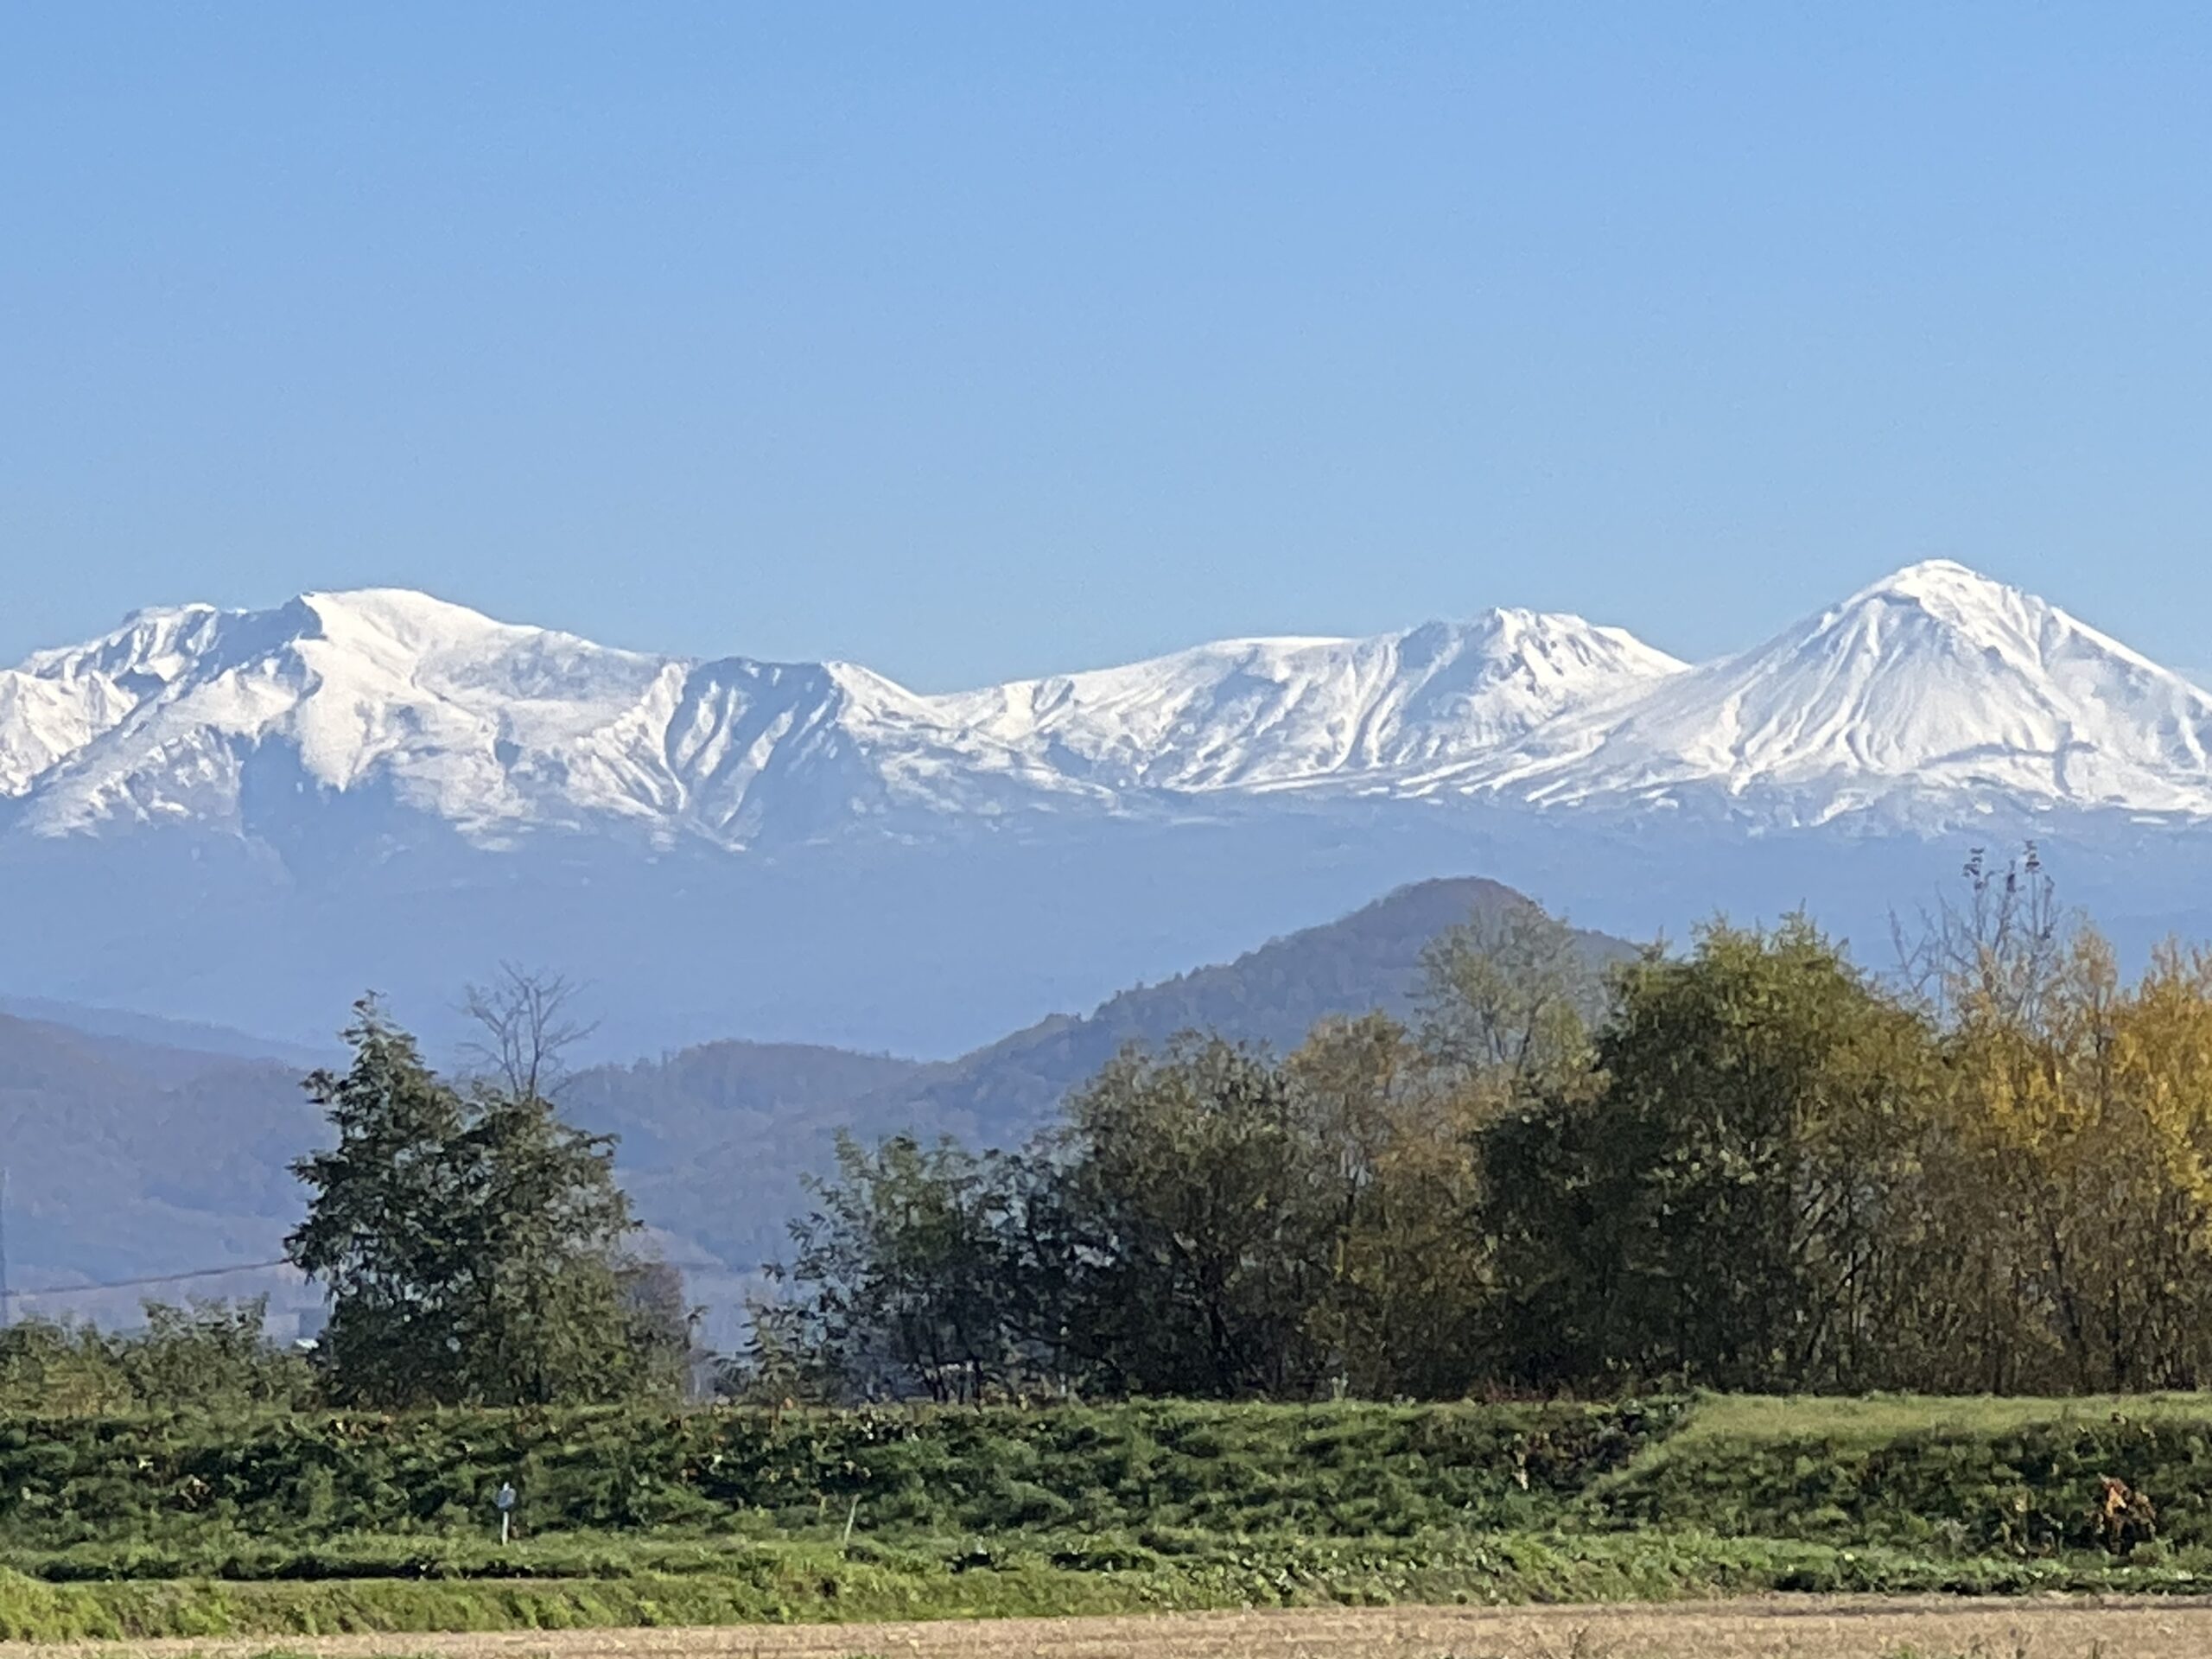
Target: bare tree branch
<point x="1999" y="948"/>
<point x="528" y="1027"/>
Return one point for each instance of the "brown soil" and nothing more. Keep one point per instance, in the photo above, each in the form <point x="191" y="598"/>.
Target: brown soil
<point x="1799" y="1627"/>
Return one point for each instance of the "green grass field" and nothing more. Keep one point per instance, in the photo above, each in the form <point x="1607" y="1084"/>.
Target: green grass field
<point x="147" y="1527"/>
<point x="1748" y="1419"/>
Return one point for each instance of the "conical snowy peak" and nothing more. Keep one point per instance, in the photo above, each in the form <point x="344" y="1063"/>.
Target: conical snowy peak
<point x="1935" y="682"/>
<point x="1943" y="584"/>
<point x="1944" y="600"/>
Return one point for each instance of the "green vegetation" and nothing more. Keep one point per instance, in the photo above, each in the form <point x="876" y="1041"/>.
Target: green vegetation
<point x="2009" y="1476"/>
<point x="1342" y="1471"/>
<point x="1720" y="1422"/>
<point x="472" y="1242"/>
<point x="775" y="1584"/>
<point x="1138" y="1363"/>
<point x="293" y="1523"/>
<point x="1749" y="1167"/>
<point x="210" y="1357"/>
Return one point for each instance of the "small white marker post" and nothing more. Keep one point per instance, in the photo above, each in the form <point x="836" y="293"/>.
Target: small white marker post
<point x="504" y="1499"/>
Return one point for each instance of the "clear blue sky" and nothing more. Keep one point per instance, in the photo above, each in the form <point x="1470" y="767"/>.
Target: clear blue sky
<point x="968" y="341"/>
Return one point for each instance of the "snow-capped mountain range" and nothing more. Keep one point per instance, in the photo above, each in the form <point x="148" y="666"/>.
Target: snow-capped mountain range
<point x="1933" y="696"/>
<point x="247" y="819"/>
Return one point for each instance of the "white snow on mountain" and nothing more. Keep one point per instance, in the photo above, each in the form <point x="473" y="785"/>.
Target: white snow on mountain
<point x="1935" y="689"/>
<point x="382" y="688"/>
<point x="486" y="725"/>
<point x="492" y="727"/>
<point x="1251" y="714"/>
<point x="1935" y="693"/>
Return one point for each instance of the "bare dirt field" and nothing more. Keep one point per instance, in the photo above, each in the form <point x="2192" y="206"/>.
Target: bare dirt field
<point x="1797" y="1628"/>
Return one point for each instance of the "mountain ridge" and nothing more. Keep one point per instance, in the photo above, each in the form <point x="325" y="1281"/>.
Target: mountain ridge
<point x="1935" y="687"/>
<point x="246" y="819"/>
<point x="1933" y="678"/>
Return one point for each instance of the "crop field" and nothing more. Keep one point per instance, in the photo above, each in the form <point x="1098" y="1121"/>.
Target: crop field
<point x="1805" y="1628"/>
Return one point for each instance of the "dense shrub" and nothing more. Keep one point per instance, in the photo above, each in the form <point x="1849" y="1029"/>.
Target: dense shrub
<point x="1345" y="1469"/>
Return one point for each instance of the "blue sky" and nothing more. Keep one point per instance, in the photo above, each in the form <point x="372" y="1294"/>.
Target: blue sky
<point x="971" y="340"/>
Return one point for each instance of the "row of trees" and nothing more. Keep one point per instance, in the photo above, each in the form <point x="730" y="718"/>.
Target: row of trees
<point x="1751" y="1166"/>
<point x="209" y="1355"/>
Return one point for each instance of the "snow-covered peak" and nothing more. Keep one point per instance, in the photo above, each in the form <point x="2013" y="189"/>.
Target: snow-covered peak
<point x="1935" y="581"/>
<point x="402" y="618"/>
<point x="489" y="727"/>
<point x="1935" y="683"/>
<point x="2027" y="632"/>
<point x="165" y="718"/>
<point x="1276" y="712"/>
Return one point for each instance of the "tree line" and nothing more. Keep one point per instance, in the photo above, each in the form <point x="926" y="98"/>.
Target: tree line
<point x="1752" y="1165"/>
<point x="210" y="1355"/>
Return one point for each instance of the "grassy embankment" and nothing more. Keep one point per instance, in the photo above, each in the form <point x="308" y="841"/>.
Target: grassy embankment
<point x="148" y="1527"/>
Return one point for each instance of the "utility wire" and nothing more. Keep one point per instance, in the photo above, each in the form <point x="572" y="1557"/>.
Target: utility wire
<point x="151" y="1278"/>
<point x="7" y="1296"/>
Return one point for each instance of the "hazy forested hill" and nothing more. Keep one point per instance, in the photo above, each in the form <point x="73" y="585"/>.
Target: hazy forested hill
<point x="128" y="1158"/>
<point x="715" y="1138"/>
<point x="132" y="1158"/>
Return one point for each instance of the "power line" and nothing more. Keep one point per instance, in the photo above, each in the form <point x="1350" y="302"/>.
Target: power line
<point x="150" y="1279"/>
<point x="9" y="1296"/>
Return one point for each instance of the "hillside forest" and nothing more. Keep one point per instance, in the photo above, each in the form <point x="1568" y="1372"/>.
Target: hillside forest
<point x="1748" y="1165"/>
